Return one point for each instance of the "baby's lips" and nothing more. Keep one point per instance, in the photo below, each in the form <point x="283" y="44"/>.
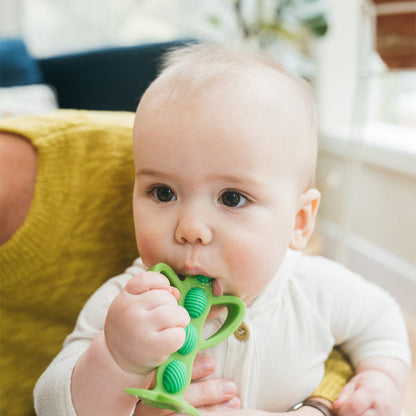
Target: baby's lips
<point x="216" y="288"/>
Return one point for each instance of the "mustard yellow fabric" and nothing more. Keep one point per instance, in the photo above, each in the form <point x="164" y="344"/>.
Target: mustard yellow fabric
<point x="79" y="232"/>
<point x="337" y="373"/>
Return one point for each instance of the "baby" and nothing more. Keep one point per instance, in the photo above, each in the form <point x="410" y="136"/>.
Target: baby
<point x="225" y="147"/>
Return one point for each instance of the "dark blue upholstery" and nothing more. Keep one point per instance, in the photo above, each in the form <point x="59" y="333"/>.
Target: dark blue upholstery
<point x="17" y="67"/>
<point x="108" y="79"/>
<point x="105" y="79"/>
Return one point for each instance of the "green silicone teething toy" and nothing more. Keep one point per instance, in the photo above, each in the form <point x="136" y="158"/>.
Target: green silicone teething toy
<point x="174" y="375"/>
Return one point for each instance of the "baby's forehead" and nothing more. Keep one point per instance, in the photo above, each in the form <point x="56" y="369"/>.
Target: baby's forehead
<point x="227" y="77"/>
<point x="256" y="88"/>
<point x="250" y="86"/>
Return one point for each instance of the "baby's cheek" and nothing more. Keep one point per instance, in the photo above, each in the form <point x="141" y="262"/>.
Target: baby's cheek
<point x="242" y="260"/>
<point x="253" y="266"/>
<point x="149" y="247"/>
<point x="243" y="255"/>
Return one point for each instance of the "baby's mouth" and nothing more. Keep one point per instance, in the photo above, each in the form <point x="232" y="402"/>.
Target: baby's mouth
<point x="216" y="286"/>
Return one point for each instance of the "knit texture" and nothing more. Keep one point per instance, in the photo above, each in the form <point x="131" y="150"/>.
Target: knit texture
<point x="337" y="373"/>
<point x="79" y="232"/>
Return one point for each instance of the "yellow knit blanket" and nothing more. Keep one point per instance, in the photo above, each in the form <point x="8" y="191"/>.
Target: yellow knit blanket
<point x="79" y="232"/>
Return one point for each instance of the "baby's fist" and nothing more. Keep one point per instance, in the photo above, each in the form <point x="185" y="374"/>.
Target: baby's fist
<point x="369" y="393"/>
<point x="145" y="324"/>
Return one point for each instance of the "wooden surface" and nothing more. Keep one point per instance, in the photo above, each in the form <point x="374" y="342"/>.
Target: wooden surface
<point x="396" y="33"/>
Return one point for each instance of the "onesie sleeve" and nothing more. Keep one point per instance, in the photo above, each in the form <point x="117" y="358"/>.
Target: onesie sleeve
<point x="364" y="319"/>
<point x="383" y="333"/>
<point x="52" y="394"/>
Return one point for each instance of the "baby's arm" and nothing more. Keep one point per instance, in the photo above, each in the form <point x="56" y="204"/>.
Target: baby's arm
<point x="143" y="326"/>
<point x="366" y="322"/>
<point x="377" y="388"/>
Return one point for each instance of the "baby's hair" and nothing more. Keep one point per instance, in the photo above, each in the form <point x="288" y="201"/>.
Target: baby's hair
<point x="201" y="62"/>
<point x="207" y="70"/>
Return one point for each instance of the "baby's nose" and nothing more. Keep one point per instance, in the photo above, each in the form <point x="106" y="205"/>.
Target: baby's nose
<point x="193" y="229"/>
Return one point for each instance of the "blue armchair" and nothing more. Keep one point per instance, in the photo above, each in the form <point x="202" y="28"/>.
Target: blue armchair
<point x="103" y="79"/>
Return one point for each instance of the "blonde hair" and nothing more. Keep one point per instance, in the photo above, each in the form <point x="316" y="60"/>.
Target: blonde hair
<point x="207" y="70"/>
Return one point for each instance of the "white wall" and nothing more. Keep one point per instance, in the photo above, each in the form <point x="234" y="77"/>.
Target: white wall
<point x="375" y="235"/>
<point x="9" y="18"/>
<point x="368" y="220"/>
<point x="52" y="27"/>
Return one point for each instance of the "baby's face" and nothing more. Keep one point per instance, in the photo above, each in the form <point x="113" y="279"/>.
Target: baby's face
<point x="214" y="193"/>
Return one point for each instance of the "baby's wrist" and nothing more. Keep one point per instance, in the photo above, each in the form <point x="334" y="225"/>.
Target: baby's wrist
<point x="142" y="380"/>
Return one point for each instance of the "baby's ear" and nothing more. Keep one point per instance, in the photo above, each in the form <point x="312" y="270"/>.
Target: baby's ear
<point x="305" y="218"/>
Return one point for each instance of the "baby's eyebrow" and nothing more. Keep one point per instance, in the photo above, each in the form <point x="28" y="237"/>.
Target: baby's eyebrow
<point x="150" y="172"/>
<point x="240" y="180"/>
<point x="229" y="180"/>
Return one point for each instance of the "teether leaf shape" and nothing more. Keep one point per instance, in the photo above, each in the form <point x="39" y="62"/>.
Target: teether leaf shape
<point x="174" y="375"/>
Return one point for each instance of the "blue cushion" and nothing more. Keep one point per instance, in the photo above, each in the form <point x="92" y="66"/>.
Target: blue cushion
<point x="17" y="67"/>
<point x="105" y="79"/>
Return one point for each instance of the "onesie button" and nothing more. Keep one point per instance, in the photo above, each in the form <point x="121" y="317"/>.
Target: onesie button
<point x="242" y="333"/>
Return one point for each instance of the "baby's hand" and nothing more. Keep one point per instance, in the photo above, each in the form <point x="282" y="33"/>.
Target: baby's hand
<point x="145" y="324"/>
<point x="369" y="393"/>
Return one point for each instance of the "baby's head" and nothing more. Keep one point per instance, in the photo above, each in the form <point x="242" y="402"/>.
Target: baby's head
<point x="225" y="149"/>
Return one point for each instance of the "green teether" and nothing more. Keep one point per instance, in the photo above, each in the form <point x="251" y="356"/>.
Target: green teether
<point x="190" y="340"/>
<point x="195" y="302"/>
<point x="174" y="375"/>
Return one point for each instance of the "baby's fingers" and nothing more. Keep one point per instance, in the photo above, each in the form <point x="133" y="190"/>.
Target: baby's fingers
<point x="344" y="395"/>
<point x="168" y="316"/>
<point x="170" y="340"/>
<point x="234" y="403"/>
<point x="357" y="403"/>
<point x="203" y="366"/>
<point x="213" y="394"/>
<point x="146" y="281"/>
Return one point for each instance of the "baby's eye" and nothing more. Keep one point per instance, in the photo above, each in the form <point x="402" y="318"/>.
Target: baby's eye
<point x="232" y="199"/>
<point x="163" y="194"/>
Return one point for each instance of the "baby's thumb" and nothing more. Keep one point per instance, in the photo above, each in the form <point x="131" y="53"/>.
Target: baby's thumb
<point x="175" y="292"/>
<point x="346" y="392"/>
